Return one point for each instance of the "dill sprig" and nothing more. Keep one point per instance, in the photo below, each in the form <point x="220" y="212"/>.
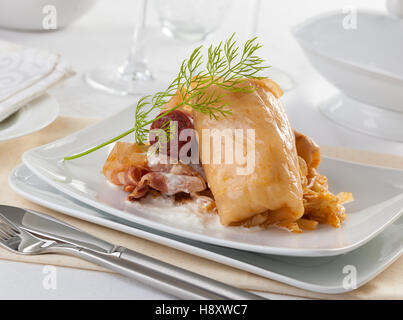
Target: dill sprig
<point x="227" y="66"/>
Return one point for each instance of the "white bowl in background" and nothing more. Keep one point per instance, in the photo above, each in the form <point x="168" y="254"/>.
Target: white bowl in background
<point x="28" y="15"/>
<point x="365" y="64"/>
<point x="395" y="7"/>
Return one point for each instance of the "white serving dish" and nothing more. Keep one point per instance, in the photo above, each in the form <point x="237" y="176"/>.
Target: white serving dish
<point x="34" y="116"/>
<point x="378" y="193"/>
<point x="365" y="64"/>
<point x="323" y="274"/>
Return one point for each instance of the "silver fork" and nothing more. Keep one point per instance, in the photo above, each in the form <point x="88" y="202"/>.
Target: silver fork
<point x="20" y="241"/>
<point x="155" y="273"/>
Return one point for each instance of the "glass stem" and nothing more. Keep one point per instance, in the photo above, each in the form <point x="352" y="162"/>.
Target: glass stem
<point x="255" y="18"/>
<point x="135" y="67"/>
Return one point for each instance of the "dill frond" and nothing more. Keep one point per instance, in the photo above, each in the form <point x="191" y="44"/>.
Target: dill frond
<point x="227" y="66"/>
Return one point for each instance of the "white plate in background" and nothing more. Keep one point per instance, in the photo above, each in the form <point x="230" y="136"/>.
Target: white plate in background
<point x="34" y="116"/>
<point x="322" y="274"/>
<point x="378" y="196"/>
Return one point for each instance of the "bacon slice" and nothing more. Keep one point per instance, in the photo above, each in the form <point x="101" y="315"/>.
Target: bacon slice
<point x="125" y="165"/>
<point x="168" y="183"/>
<point x="129" y="166"/>
<point x="307" y="149"/>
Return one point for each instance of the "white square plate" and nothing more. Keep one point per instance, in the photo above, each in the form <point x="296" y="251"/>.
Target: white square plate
<point x="378" y="193"/>
<point x="321" y="274"/>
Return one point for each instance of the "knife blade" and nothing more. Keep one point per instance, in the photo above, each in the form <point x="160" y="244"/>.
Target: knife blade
<point x="50" y="227"/>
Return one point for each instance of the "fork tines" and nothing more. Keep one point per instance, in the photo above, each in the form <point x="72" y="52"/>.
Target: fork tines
<point x="6" y="231"/>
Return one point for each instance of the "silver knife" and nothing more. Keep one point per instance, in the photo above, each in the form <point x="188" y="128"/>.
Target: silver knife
<point x="169" y="278"/>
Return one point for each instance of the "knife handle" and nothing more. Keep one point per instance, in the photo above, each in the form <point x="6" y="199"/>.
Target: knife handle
<point x="201" y="287"/>
<point x="163" y="276"/>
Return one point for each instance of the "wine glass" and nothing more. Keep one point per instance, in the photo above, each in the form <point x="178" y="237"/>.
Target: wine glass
<point x="134" y="75"/>
<point x="191" y="20"/>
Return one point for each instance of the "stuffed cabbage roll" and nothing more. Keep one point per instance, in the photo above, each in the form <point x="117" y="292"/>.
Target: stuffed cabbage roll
<point x="274" y="185"/>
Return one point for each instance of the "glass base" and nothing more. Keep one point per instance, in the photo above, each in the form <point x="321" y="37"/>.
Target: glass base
<point x="364" y="118"/>
<point x="110" y="79"/>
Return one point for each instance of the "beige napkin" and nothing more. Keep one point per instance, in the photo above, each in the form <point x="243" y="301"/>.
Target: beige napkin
<point x="387" y="285"/>
<point x="25" y="74"/>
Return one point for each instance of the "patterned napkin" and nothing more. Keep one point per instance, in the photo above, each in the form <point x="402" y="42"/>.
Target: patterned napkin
<point x="25" y="74"/>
